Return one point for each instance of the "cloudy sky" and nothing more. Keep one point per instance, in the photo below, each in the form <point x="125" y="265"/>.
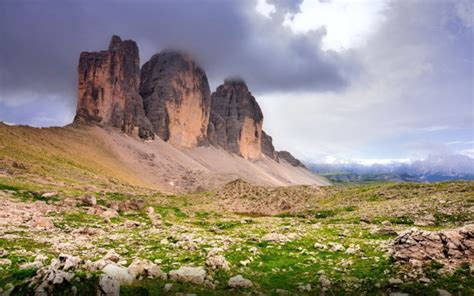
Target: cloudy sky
<point x="361" y="80"/>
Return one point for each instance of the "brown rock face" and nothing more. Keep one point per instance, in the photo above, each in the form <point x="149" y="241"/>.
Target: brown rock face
<point x="236" y="120"/>
<point x="288" y="157"/>
<point x="267" y="146"/>
<point x="176" y="98"/>
<point x="108" y="89"/>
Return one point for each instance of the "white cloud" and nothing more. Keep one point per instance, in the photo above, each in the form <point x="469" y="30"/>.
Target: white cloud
<point x="467" y="152"/>
<point x="410" y="90"/>
<point x="264" y="8"/>
<point x="348" y="23"/>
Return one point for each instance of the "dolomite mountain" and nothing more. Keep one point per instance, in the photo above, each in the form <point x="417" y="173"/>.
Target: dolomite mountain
<point x="108" y="89"/>
<point x="236" y="120"/>
<point x="201" y="140"/>
<point x="170" y="97"/>
<point x="176" y="98"/>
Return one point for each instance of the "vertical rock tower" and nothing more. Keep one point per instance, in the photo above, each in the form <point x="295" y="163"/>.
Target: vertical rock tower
<point x="176" y="98"/>
<point x="108" y="89"/>
<point x="236" y="120"/>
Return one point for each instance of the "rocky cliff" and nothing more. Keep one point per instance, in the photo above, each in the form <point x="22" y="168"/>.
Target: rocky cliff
<point x="108" y="89"/>
<point x="170" y="97"/>
<point x="267" y="146"/>
<point x="236" y="120"/>
<point x="176" y="98"/>
<point x="288" y="157"/>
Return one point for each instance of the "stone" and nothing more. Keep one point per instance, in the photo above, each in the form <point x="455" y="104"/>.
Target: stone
<point x="167" y="288"/>
<point x="112" y="256"/>
<point x="450" y="247"/>
<point x="69" y="261"/>
<point x="324" y="282"/>
<point x="386" y="223"/>
<point x="216" y="261"/>
<point x="385" y="231"/>
<point x="320" y="246"/>
<point x="176" y="98"/>
<point x="43" y="223"/>
<point x="236" y="120"/>
<point x="239" y="282"/>
<point x="108" y="286"/>
<point x="120" y="273"/>
<point x="141" y="267"/>
<point x="188" y="274"/>
<point x="336" y="247"/>
<point x="109" y="89"/>
<point x="109" y="213"/>
<point x="276" y="237"/>
<point x="304" y="288"/>
<point x="395" y="281"/>
<point x="442" y="292"/>
<point x="89" y="200"/>
<point x="49" y="194"/>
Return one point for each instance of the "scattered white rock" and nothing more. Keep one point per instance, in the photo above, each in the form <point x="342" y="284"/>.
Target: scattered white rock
<point x="324" y="282"/>
<point x="167" y="288"/>
<point x="336" y="247"/>
<point x="304" y="288"/>
<point x="216" y="261"/>
<point x="109" y="213"/>
<point x="320" y="246"/>
<point x="395" y="281"/>
<point x="239" y="282"/>
<point x="442" y="292"/>
<point x="108" y="286"/>
<point x="141" y="267"/>
<point x="89" y="200"/>
<point x="120" y="273"/>
<point x="278" y="237"/>
<point x="49" y="194"/>
<point x="112" y="256"/>
<point x="188" y="274"/>
<point x="43" y="223"/>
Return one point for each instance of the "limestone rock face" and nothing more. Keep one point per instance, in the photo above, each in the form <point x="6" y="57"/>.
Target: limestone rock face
<point x="288" y="157"/>
<point x="267" y="146"/>
<point x="236" y="120"/>
<point x="176" y="98"/>
<point x="108" y="89"/>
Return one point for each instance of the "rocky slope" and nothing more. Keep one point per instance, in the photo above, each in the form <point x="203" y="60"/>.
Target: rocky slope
<point x="57" y="240"/>
<point x="177" y="98"/>
<point x="108" y="89"/>
<point x="105" y="157"/>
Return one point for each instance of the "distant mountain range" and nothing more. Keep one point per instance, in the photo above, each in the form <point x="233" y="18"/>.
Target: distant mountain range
<point x="434" y="168"/>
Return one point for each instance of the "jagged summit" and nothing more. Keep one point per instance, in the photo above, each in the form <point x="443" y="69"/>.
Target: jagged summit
<point x="236" y="120"/>
<point x="108" y="89"/>
<point x="177" y="98"/>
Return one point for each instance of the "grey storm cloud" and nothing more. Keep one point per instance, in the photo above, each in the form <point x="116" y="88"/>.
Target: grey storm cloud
<point x="41" y="42"/>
